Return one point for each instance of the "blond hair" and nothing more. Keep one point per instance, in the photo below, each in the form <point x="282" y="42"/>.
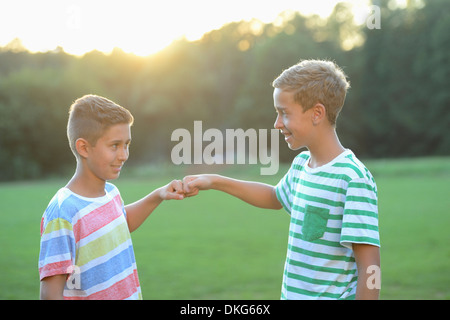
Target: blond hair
<point x="90" y="116"/>
<point x="316" y="81"/>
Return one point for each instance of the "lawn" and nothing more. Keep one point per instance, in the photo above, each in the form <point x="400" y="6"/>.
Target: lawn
<point x="214" y="246"/>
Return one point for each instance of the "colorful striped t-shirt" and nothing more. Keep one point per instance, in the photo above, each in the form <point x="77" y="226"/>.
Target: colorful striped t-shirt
<point x="331" y="207"/>
<point x="88" y="239"/>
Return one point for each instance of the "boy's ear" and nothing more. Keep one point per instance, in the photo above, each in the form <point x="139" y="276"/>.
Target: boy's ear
<point x="319" y="113"/>
<point x="82" y="147"/>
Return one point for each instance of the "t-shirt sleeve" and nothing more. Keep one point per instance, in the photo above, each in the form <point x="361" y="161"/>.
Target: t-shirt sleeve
<point x="284" y="191"/>
<point x="360" y="217"/>
<point x="57" y="248"/>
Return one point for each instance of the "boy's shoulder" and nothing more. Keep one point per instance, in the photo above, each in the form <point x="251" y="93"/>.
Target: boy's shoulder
<point x="346" y="166"/>
<point x="301" y="159"/>
<point x="61" y="206"/>
<point x="111" y="188"/>
<point x="66" y="204"/>
<point x="353" y="167"/>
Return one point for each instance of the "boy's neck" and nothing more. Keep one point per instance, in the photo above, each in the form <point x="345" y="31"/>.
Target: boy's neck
<point x="86" y="185"/>
<point x="325" y="150"/>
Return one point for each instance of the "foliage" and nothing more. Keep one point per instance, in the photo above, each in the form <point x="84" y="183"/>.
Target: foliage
<point x="396" y="106"/>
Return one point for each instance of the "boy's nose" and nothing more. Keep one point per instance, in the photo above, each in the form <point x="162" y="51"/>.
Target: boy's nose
<point x="123" y="155"/>
<point x="278" y="123"/>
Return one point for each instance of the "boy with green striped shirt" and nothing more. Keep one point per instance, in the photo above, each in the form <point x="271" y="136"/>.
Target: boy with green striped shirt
<point x="333" y="243"/>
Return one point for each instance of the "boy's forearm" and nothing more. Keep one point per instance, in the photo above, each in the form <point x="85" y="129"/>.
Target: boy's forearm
<point x="138" y="211"/>
<point x="255" y="193"/>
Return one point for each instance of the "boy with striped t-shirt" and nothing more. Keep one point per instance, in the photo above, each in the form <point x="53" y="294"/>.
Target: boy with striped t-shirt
<point x="331" y="207"/>
<point x="91" y="234"/>
<point x="333" y="243"/>
<point x="86" y="250"/>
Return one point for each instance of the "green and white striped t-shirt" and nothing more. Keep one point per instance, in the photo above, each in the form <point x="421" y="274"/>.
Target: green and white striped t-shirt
<point x="331" y="207"/>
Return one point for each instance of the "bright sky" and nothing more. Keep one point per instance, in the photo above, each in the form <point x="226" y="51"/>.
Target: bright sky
<point x="138" y="26"/>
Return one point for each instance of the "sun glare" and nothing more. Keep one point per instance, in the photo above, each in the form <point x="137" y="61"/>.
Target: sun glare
<point x="139" y="27"/>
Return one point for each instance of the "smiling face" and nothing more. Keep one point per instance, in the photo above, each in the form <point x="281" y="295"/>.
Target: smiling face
<point x="293" y="122"/>
<point x="105" y="159"/>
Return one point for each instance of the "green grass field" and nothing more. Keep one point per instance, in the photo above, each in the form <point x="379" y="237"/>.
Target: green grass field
<point x="214" y="246"/>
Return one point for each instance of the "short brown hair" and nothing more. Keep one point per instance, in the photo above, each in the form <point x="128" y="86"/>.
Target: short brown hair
<point x="316" y="81"/>
<point x="90" y="116"/>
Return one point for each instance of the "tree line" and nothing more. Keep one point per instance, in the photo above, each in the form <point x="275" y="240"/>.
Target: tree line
<point x="397" y="106"/>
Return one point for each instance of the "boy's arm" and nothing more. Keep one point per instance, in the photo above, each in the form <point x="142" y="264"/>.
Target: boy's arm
<point x="52" y="287"/>
<point x="138" y="211"/>
<point x="255" y="193"/>
<point x="368" y="263"/>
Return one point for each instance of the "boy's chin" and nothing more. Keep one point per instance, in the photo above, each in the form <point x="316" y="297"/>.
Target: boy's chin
<point x="113" y="177"/>
<point x="294" y="147"/>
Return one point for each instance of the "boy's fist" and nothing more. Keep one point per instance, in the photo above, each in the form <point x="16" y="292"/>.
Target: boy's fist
<point x="172" y="191"/>
<point x="193" y="184"/>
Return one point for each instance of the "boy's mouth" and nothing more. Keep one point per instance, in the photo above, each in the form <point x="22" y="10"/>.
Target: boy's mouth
<point x="117" y="168"/>
<point x="286" y="135"/>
